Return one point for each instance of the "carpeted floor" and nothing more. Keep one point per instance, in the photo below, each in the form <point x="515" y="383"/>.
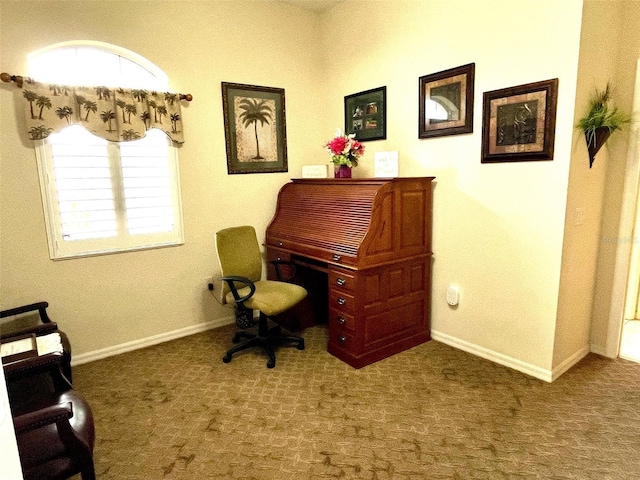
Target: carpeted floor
<point x="175" y="411"/>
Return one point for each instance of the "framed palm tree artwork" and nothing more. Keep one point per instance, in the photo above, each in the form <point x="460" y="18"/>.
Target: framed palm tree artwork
<point x="255" y="128"/>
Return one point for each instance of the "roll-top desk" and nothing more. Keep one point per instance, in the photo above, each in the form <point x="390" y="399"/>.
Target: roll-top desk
<point x="371" y="238"/>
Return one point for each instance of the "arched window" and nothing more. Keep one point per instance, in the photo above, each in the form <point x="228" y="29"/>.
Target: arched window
<point x="99" y="196"/>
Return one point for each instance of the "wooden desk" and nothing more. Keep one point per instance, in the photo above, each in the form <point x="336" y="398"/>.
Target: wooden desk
<point x="363" y="247"/>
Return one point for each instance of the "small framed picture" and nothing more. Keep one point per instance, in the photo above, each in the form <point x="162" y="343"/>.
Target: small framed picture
<point x="365" y="114"/>
<point x="446" y="102"/>
<point x="315" y="171"/>
<point x="386" y="164"/>
<point x="519" y="123"/>
<point x="255" y="128"/>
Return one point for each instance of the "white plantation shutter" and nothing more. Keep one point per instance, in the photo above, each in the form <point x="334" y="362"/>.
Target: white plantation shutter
<point x="104" y="197"/>
<point x="83" y="187"/>
<point x="147" y="187"/>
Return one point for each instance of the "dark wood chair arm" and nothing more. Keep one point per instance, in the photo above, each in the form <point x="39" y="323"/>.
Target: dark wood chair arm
<point x="278" y="263"/>
<point x="44" y="329"/>
<point x="40" y="306"/>
<point x="231" y="281"/>
<point x="50" y="362"/>
<point x="74" y="428"/>
<point x="46" y="416"/>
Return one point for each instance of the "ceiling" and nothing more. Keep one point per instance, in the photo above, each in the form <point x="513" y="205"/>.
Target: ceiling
<point x="315" y="5"/>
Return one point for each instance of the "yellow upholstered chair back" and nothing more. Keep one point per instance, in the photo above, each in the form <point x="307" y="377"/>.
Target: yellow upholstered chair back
<point x="239" y="254"/>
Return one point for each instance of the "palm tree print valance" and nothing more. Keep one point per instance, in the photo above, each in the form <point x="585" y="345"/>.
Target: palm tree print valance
<point x="115" y="114"/>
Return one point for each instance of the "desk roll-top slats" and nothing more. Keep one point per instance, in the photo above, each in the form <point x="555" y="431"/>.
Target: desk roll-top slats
<point x="372" y="237"/>
<point x="332" y="218"/>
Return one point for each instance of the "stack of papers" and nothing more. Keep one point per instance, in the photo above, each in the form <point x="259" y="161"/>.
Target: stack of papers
<point x="30" y="346"/>
<point x="49" y="344"/>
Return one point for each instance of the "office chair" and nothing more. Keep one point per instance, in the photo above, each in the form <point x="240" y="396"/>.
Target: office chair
<point x="33" y="319"/>
<point x="54" y="427"/>
<point x="241" y="267"/>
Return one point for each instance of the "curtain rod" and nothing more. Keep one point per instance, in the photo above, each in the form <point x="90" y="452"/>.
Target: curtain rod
<point x="19" y="80"/>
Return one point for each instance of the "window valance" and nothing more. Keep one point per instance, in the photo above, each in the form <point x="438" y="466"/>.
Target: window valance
<point x="115" y="114"/>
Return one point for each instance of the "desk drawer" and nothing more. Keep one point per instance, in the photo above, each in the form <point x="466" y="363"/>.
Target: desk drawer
<point x="274" y="254"/>
<point x="340" y="322"/>
<point x="342" y="301"/>
<point x="309" y="249"/>
<point x="341" y="279"/>
<point x="342" y="340"/>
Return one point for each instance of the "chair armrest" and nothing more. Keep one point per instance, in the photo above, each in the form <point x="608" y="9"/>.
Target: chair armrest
<point x="277" y="263"/>
<point x="45" y="328"/>
<point x="40" y="418"/>
<point x="231" y="282"/>
<point x="28" y="367"/>
<point x="40" y="306"/>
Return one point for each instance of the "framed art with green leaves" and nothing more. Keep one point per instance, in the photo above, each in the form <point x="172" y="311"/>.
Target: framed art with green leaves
<point x="519" y="123"/>
<point x="255" y="128"/>
<point x="365" y="114"/>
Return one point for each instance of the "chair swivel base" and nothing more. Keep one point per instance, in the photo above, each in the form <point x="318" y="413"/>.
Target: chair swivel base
<point x="266" y="342"/>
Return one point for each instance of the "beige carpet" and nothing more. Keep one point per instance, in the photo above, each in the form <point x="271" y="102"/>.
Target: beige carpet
<point x="175" y="411"/>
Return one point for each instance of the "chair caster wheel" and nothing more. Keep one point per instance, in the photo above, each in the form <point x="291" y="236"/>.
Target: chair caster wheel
<point x="271" y="363"/>
<point x="226" y="358"/>
<point x="300" y="346"/>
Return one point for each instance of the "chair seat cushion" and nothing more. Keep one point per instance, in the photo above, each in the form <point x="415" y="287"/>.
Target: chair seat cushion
<point x="271" y="297"/>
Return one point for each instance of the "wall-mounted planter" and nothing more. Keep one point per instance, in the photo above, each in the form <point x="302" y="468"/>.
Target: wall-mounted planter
<point x="601" y="121"/>
<point x="595" y="140"/>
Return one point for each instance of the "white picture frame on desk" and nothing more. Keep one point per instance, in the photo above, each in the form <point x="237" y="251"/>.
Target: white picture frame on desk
<point x="315" y="171"/>
<point x="386" y="164"/>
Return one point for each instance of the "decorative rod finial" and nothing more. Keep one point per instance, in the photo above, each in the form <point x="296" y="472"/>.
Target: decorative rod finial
<point x="8" y="78"/>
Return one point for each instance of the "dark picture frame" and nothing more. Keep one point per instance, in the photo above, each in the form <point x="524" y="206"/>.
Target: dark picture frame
<point x="365" y="114"/>
<point x="519" y="123"/>
<point x="255" y="128"/>
<point x="446" y="102"/>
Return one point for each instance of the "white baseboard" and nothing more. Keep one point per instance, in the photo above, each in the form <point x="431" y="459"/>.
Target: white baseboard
<point x="569" y="362"/>
<point x="496" y="357"/>
<point x="598" y="349"/>
<point x="534" y="371"/>
<point x="148" y="341"/>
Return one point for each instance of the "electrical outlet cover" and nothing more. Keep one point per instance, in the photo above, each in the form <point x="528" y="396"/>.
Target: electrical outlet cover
<point x="453" y="295"/>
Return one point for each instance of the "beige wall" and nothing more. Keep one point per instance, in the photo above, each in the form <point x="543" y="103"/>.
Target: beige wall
<point x="599" y="45"/>
<point x="114" y="299"/>
<point x="498" y="228"/>
<point x="621" y="182"/>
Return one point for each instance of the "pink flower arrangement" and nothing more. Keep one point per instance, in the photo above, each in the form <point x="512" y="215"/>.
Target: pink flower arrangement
<point x="344" y="149"/>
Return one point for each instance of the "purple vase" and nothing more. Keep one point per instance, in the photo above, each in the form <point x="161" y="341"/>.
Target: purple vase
<point x="342" y="171"/>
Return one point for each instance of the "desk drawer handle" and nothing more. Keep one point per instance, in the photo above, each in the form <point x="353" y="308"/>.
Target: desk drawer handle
<point x="341" y="320"/>
<point x="278" y="259"/>
<point x="280" y="244"/>
<point x="341" y="301"/>
<point x="336" y="257"/>
<point x="341" y="282"/>
<point x="342" y="339"/>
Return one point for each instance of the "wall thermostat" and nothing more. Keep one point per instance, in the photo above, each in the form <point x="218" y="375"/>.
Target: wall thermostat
<point x="453" y="295"/>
